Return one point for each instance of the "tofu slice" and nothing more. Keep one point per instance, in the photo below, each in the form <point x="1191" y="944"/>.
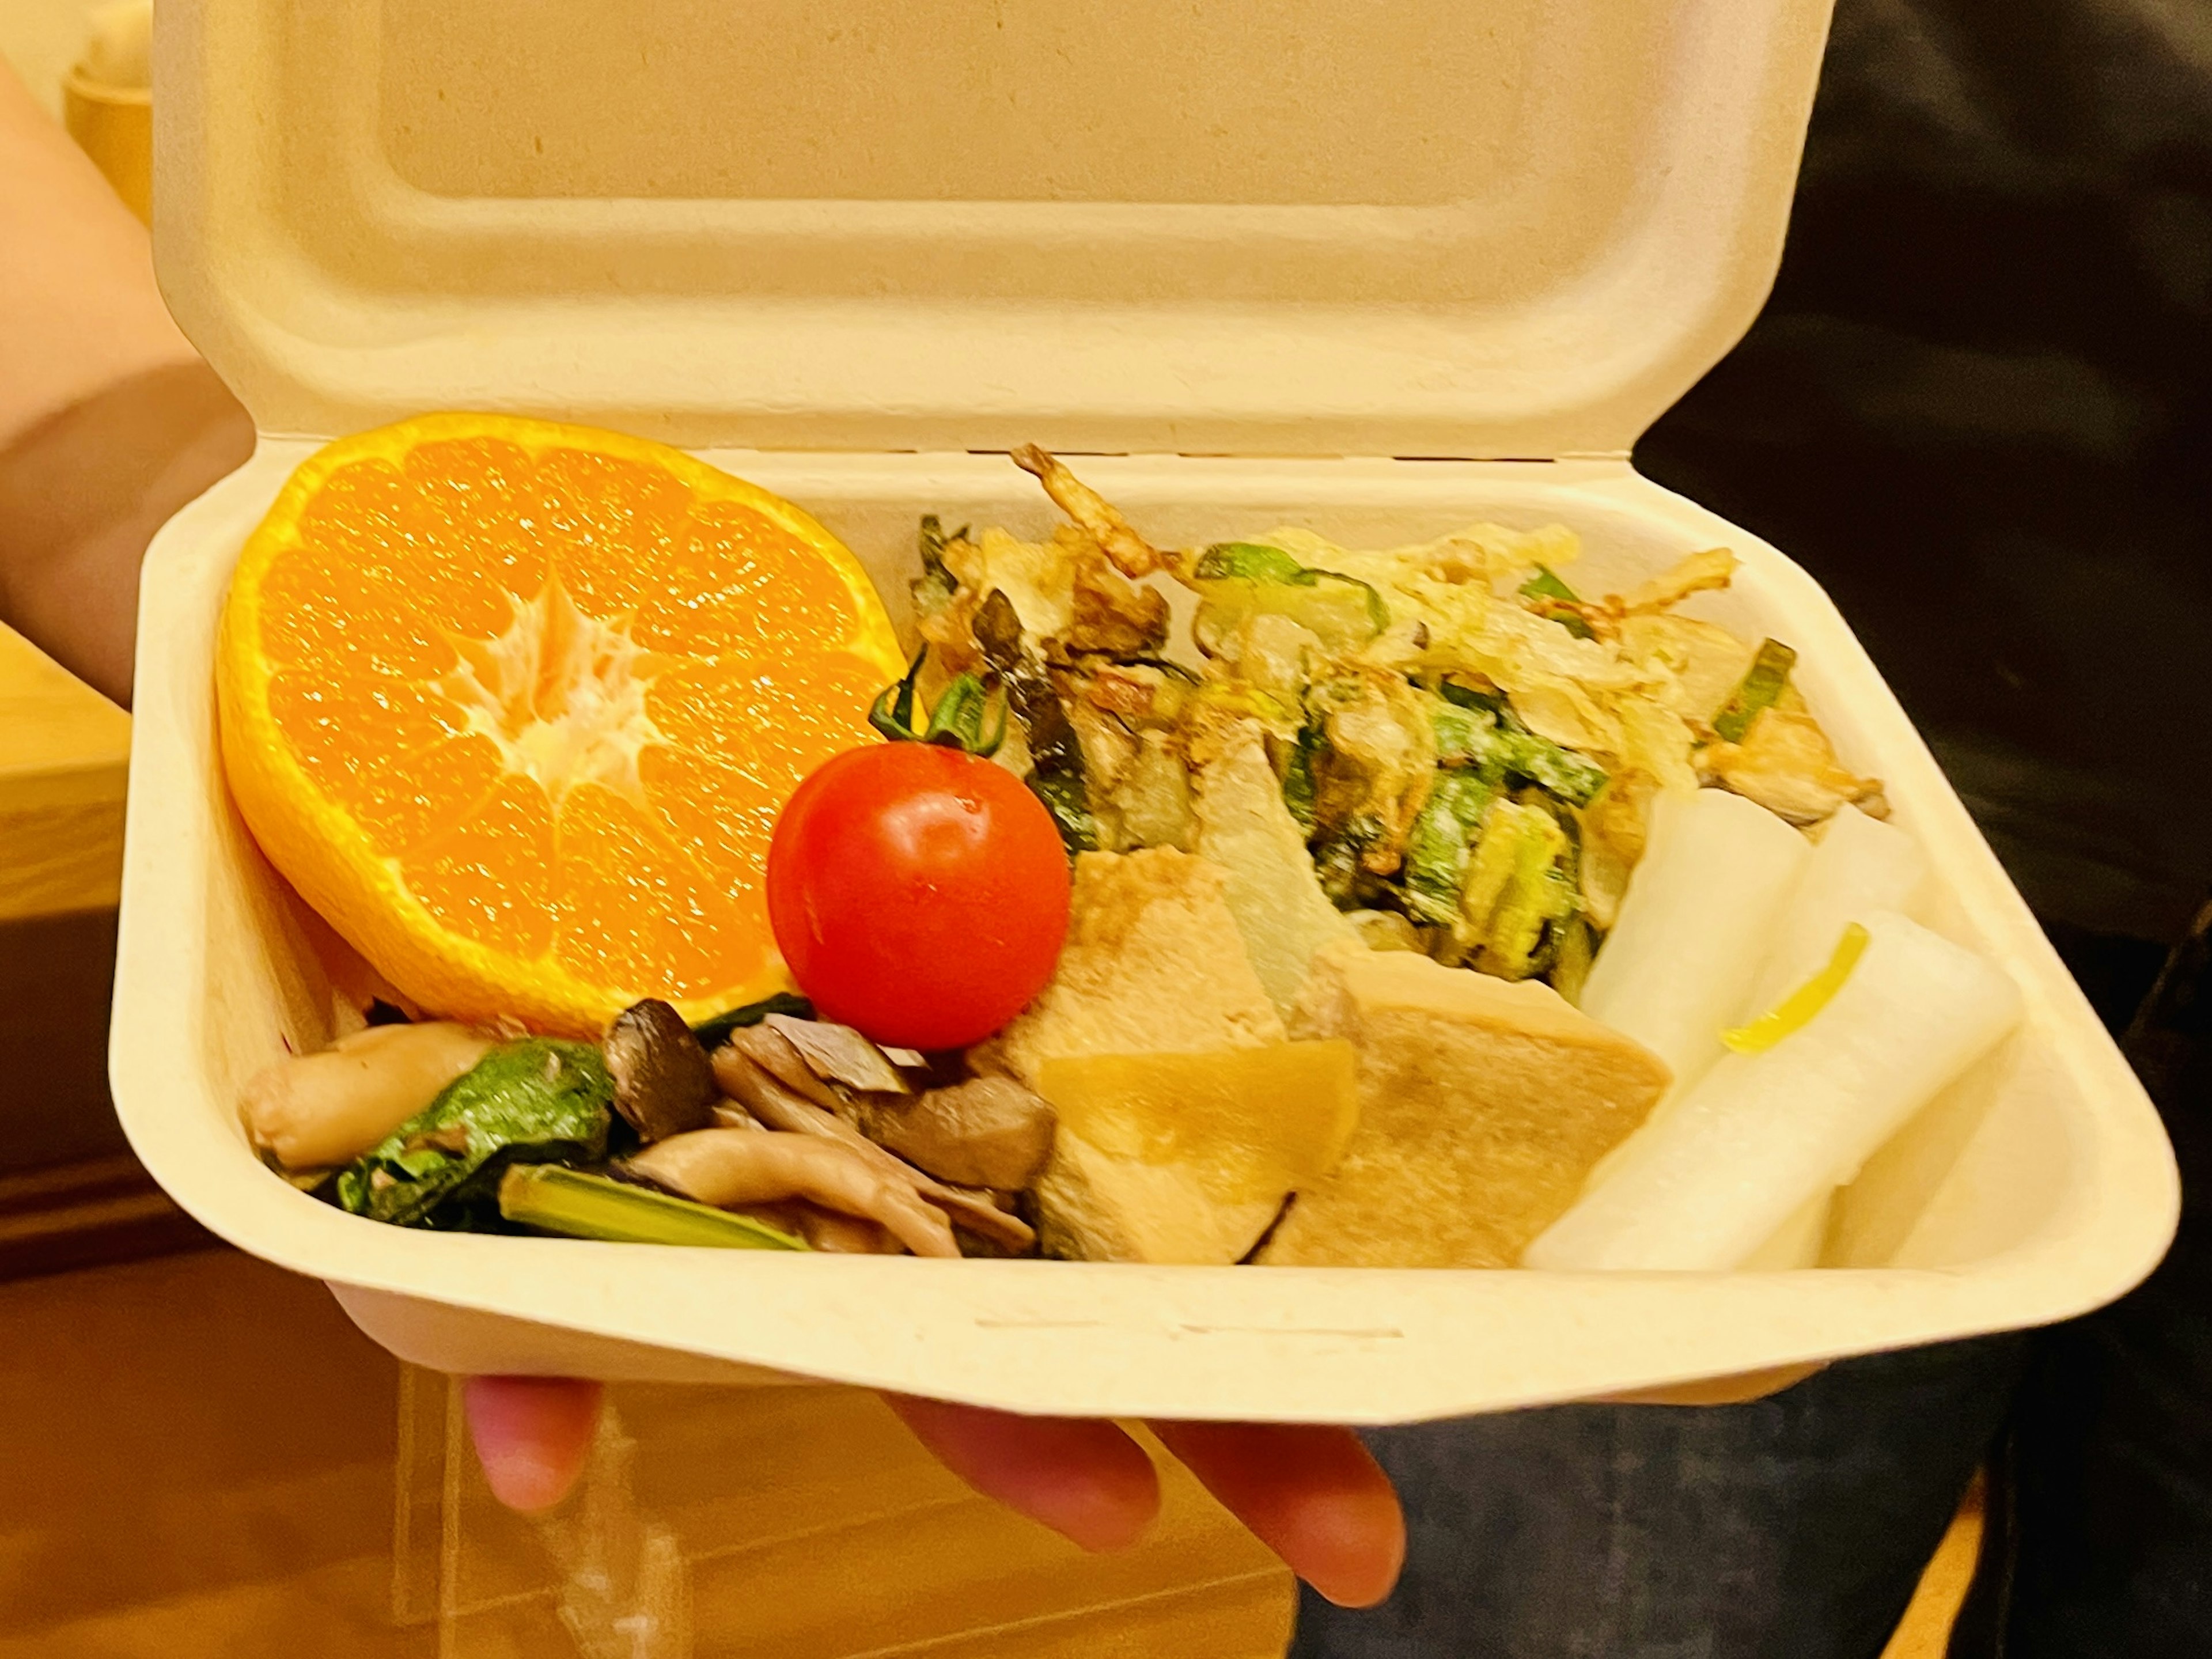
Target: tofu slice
<point x="1153" y="965"/>
<point x="1093" y="1206"/>
<point x="1483" y="1105"/>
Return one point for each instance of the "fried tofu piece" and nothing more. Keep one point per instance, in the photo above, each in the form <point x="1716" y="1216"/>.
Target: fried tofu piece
<point x="1153" y="965"/>
<point x="1483" y="1106"/>
<point x="1094" y="1207"/>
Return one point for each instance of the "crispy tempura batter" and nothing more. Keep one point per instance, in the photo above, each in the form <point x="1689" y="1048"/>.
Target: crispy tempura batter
<point x="1132" y="554"/>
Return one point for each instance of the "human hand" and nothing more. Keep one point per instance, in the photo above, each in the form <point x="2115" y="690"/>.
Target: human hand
<point x="109" y="423"/>
<point x="1311" y="1494"/>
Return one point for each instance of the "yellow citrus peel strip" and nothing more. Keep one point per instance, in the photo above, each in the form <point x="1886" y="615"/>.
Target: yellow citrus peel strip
<point x="1796" y="1011"/>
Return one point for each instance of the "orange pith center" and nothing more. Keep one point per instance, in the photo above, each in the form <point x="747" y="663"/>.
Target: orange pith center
<point x="563" y="695"/>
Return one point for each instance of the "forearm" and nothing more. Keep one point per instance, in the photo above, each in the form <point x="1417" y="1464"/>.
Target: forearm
<point x="109" y="422"/>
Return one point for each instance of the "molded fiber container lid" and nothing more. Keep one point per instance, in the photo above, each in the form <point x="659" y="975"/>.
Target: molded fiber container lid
<point x="1515" y="229"/>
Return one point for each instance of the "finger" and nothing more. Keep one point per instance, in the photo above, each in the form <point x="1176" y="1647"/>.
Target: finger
<point x="1313" y="1495"/>
<point x="1086" y="1480"/>
<point x="531" y="1434"/>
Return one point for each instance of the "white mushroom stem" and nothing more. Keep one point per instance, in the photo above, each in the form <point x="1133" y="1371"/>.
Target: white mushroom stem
<point x="315" y="1111"/>
<point x="780" y="1109"/>
<point x="729" y="1167"/>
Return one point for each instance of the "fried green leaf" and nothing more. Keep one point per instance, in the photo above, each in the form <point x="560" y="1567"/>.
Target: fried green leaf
<point x="1546" y="585"/>
<point x="1056" y="775"/>
<point x="937" y="587"/>
<point x="540" y="1101"/>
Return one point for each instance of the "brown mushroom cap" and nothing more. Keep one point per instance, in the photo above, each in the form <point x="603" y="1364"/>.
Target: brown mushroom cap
<point x="664" y="1083"/>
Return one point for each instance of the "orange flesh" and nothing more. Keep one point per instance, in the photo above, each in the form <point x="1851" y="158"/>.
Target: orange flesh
<point x="567" y="694"/>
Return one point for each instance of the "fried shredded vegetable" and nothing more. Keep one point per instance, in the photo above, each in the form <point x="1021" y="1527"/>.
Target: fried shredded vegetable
<point x="1469" y="743"/>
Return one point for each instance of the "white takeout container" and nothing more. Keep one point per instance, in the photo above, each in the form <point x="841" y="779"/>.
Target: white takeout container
<point x="1244" y="254"/>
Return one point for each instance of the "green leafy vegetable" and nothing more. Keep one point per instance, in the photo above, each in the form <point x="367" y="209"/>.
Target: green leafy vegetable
<point x="541" y="1101"/>
<point x="1235" y="581"/>
<point x="553" y="1199"/>
<point x="1437" y="845"/>
<point x="714" y="1032"/>
<point x="1760" y="686"/>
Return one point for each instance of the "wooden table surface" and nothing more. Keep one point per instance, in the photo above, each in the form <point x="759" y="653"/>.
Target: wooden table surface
<point x="205" y="1458"/>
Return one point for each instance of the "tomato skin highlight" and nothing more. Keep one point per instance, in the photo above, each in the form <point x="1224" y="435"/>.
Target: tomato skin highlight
<point x="918" y="893"/>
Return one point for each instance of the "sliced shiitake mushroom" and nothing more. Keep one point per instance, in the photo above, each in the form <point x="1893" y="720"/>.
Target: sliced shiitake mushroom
<point x="838" y="1053"/>
<point x="778" y="1108"/>
<point x="775" y="1054"/>
<point x="986" y="1132"/>
<point x="664" y="1084"/>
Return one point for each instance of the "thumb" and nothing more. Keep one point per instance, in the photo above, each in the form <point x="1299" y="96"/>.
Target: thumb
<point x="533" y="1434"/>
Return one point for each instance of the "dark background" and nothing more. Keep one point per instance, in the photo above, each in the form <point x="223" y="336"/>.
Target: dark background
<point x="1978" y="409"/>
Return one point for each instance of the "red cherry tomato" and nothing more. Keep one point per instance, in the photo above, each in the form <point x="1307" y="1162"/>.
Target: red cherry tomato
<point x="918" y="893"/>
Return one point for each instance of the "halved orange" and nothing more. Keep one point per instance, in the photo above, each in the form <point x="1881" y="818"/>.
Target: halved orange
<point x="513" y="705"/>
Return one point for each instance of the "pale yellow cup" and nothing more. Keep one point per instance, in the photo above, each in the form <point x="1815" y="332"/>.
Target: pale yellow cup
<point x="109" y="107"/>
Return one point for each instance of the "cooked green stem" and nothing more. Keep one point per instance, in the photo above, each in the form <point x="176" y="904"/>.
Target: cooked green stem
<point x="1235" y="581"/>
<point x="714" y="1032"/>
<point x="579" y="1205"/>
<point x="1546" y="585"/>
<point x="958" y="721"/>
<point x="1756" y="694"/>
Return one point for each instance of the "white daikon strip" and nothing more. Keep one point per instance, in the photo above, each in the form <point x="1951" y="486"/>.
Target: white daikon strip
<point x="1697" y="922"/>
<point x="1766" y="1133"/>
<point x="1799" y="1242"/>
<point x="1859" y="865"/>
